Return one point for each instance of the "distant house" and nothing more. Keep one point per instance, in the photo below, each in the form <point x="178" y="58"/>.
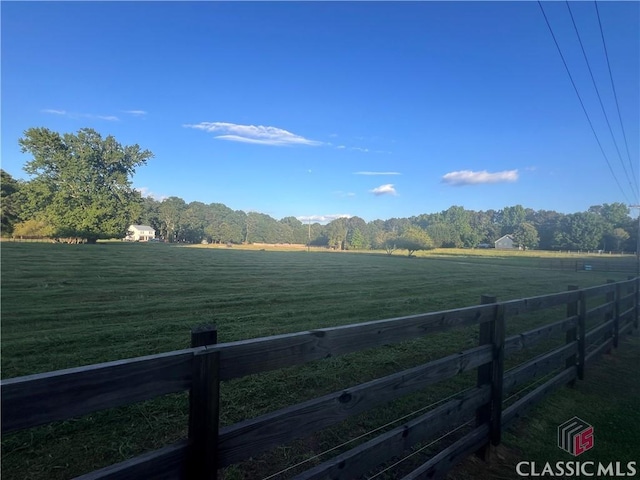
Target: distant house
<point x="140" y="233"/>
<point x="506" y="242"/>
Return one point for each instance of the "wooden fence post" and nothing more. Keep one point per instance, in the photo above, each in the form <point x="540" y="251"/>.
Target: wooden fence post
<point x="572" y="333"/>
<point x="636" y="301"/>
<point x="204" y="335"/>
<point x="485" y="372"/>
<point x="497" y="376"/>
<point x="611" y="297"/>
<point x="616" y="316"/>
<point x="582" y="333"/>
<point x="204" y="406"/>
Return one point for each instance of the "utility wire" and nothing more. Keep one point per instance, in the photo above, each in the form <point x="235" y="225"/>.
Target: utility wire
<point x="606" y="117"/>
<point x="582" y="103"/>
<point x="421" y="449"/>
<point x="615" y="95"/>
<point x="392" y="422"/>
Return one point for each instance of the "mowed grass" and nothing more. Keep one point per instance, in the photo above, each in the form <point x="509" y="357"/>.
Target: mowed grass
<point x="70" y="305"/>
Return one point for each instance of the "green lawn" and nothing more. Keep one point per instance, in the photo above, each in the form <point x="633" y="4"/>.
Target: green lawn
<point x="70" y="305"/>
<point x="607" y="399"/>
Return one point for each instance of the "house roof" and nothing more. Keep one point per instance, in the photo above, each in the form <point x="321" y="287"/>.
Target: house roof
<point x="142" y="227"/>
<point x="509" y="236"/>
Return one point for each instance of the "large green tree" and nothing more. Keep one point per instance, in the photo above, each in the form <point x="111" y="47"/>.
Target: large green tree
<point x="9" y="190"/>
<point x="81" y="183"/>
<point x="413" y="239"/>
<point x="527" y="235"/>
<point x="580" y="231"/>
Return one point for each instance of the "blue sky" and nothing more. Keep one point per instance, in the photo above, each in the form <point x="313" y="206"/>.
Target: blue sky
<point x="376" y="109"/>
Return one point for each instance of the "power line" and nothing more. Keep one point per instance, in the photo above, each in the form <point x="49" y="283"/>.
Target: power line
<point x="582" y="103"/>
<point x="634" y="190"/>
<point x="615" y="95"/>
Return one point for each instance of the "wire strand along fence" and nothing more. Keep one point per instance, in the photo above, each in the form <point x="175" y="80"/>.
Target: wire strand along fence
<point x="592" y="322"/>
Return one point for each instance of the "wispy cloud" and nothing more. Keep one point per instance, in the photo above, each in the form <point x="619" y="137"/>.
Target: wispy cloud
<point x="323" y="218"/>
<point x="257" y="134"/>
<point x="469" y="177"/>
<point x="147" y="193"/>
<point x="340" y="193"/>
<point x="360" y="149"/>
<point x="109" y="118"/>
<point x="136" y="113"/>
<point x="386" y="189"/>
<point x="54" y="112"/>
<point x="377" y="173"/>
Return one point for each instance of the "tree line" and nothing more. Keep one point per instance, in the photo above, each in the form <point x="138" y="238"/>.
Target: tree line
<point x="80" y="187"/>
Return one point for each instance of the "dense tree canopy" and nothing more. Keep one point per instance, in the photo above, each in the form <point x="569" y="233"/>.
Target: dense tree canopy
<point x="9" y="188"/>
<point x="80" y="184"/>
<point x="80" y="187"/>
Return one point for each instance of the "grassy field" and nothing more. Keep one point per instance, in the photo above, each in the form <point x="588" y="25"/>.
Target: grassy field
<point x="70" y="305"/>
<point x="608" y="399"/>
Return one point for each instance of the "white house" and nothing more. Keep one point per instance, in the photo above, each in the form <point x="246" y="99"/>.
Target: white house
<point x="140" y="233"/>
<point x="506" y="242"/>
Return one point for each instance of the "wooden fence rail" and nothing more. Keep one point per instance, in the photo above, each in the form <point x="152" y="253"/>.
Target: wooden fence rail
<point x="38" y="399"/>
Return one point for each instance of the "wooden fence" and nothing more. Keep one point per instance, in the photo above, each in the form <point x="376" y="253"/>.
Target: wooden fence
<point x="595" y="319"/>
<point x="620" y="265"/>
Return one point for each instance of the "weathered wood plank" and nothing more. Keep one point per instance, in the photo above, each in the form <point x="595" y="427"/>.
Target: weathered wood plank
<point x="582" y="331"/>
<point x="438" y="466"/>
<point x="486" y="336"/>
<point x="591" y="356"/>
<point x="517" y="410"/>
<point x="262" y="354"/>
<point x="46" y="397"/>
<point x="599" y="290"/>
<point x="532" y="304"/>
<point x="626" y="327"/>
<point x="359" y="460"/>
<point x="572" y="333"/>
<point x="531" y="337"/>
<point x="601" y="310"/>
<point x="497" y="380"/>
<point x="242" y="440"/>
<point x="167" y="463"/>
<point x="599" y="331"/>
<point x="628" y="298"/>
<point x="204" y="414"/>
<point x="538" y="366"/>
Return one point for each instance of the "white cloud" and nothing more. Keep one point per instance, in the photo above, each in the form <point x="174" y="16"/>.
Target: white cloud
<point x="110" y="118"/>
<point x="468" y="177"/>
<point x="323" y="218"/>
<point x="341" y="147"/>
<point x="377" y="173"/>
<point x="257" y="134"/>
<point x="136" y="113"/>
<point x="360" y="149"/>
<point x="147" y="193"/>
<point x="386" y="189"/>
